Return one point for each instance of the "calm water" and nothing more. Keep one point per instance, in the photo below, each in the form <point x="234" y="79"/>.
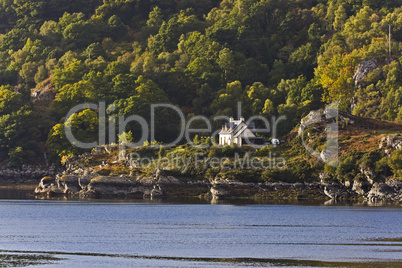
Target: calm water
<point x="58" y="233"/>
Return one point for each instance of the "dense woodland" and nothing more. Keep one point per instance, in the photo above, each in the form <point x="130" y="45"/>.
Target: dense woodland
<point x="279" y="57"/>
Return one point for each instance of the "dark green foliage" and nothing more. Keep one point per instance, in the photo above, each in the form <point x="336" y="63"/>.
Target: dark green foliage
<point x="395" y="162"/>
<point x="226" y="151"/>
<point x="265" y="151"/>
<point x="283" y="57"/>
<point x="243" y="175"/>
<point x="15" y="143"/>
<point x="301" y="171"/>
<point x="347" y="169"/>
<point x="94" y="51"/>
<point x="14" y="39"/>
<point x="16" y="157"/>
<point x="117" y="29"/>
<point x="81" y="34"/>
<point x="354" y="165"/>
<point x="169" y="33"/>
<point x="275" y="175"/>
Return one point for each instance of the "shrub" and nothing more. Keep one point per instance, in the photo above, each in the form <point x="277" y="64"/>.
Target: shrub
<point x="395" y="162"/>
<point x="265" y="151"/>
<point x="16" y="157"/>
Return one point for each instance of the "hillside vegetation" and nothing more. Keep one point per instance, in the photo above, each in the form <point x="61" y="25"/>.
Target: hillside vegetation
<point x="279" y="57"/>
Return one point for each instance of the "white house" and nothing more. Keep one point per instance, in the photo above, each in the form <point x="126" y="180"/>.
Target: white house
<point x="236" y="131"/>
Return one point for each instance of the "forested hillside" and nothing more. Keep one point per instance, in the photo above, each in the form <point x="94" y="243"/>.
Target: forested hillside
<point x="279" y="57"/>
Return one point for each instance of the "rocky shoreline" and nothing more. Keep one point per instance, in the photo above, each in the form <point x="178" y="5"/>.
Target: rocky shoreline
<point x="160" y="185"/>
<point x="79" y="181"/>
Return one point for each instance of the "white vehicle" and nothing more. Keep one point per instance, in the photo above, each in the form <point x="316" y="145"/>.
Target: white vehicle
<point x="275" y="142"/>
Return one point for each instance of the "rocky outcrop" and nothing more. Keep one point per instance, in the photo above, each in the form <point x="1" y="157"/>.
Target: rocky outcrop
<point x="161" y="185"/>
<point x="338" y="192"/>
<point x="360" y="187"/>
<point x="63" y="185"/>
<point x="116" y="186"/>
<point x="318" y="119"/>
<point x="335" y="190"/>
<point x="390" y="143"/>
<point x="365" y="67"/>
<point x="45" y="94"/>
<point x="390" y="191"/>
<point x="94" y="186"/>
<point x="230" y="188"/>
<point x="384" y="192"/>
<point x="312" y="118"/>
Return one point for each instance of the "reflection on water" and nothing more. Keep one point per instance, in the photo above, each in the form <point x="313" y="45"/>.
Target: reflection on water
<point x="26" y="193"/>
<point x="7" y="192"/>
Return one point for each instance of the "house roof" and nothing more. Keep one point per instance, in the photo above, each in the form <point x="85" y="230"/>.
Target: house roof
<point x="239" y="129"/>
<point x="243" y="130"/>
<point x="236" y="127"/>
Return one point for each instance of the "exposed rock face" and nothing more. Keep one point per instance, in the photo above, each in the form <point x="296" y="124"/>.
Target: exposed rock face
<point x="161" y="185"/>
<point x="360" y="187"/>
<point x="390" y="143"/>
<point x="338" y="192"/>
<point x="335" y="190"/>
<point x="390" y="191"/>
<point x="103" y="186"/>
<point x="49" y="187"/>
<point x="363" y="69"/>
<point x="312" y="118"/>
<point x="232" y="189"/>
<point x="115" y="186"/>
<point x="156" y="186"/>
<point x="325" y="117"/>
<point x="384" y="192"/>
<point x="44" y="95"/>
<point x="63" y="185"/>
<point x="369" y="174"/>
<point x="394" y="183"/>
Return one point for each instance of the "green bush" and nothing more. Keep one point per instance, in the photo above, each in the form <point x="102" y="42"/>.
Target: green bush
<point x="265" y="151"/>
<point x="16" y="157"/>
<point x="395" y="162"/>
<point x="276" y="175"/>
